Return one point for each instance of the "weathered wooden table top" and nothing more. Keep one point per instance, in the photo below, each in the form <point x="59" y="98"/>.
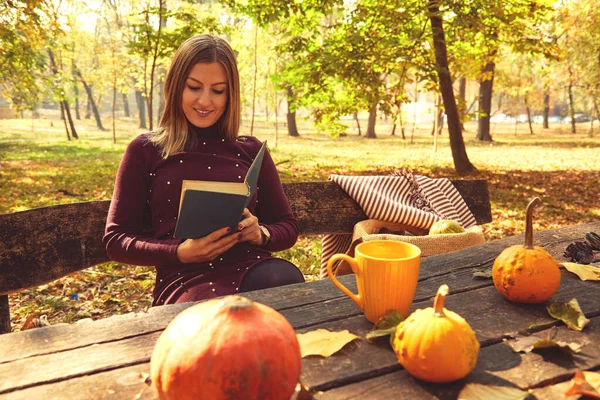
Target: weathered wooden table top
<point x="110" y="358"/>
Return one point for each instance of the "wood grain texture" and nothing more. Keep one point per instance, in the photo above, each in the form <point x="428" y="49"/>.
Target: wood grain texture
<point x="123" y="383"/>
<point x="454" y="269"/>
<point x="130" y="338"/>
<point x="497" y="365"/>
<point x="45" y="244"/>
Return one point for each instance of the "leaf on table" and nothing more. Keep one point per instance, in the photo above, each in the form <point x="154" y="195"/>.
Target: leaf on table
<point x="303" y="393"/>
<point x="323" y="342"/>
<point x="527" y="344"/>
<point x="386" y="325"/>
<point x="585" y="384"/>
<point x="476" y="391"/>
<point x="482" y="273"/>
<point x="570" y="313"/>
<point x="145" y="378"/>
<point x="584" y="272"/>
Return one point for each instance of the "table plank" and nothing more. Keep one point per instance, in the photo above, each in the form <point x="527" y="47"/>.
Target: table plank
<point x="449" y="268"/>
<point x="497" y="365"/>
<point x="96" y="348"/>
<point x="491" y="317"/>
<point x="122" y="383"/>
<point x="78" y="362"/>
<point x="484" y="308"/>
<point x="63" y="337"/>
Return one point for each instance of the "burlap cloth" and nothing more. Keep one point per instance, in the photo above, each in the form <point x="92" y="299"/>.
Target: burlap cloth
<point x="430" y="245"/>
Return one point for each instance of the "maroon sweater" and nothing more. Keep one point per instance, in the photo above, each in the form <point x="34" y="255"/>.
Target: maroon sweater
<point x="147" y="182"/>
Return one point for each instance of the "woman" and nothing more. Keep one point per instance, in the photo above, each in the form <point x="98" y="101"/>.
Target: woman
<point x="198" y="140"/>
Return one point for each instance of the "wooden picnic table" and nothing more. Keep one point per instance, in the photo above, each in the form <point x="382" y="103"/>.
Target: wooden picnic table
<point x="110" y="358"/>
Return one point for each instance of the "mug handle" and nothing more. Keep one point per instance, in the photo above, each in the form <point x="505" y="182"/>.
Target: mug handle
<point x="354" y="265"/>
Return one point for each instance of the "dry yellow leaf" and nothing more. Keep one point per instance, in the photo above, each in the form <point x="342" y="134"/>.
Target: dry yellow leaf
<point x="323" y="342"/>
<point x="584" y="383"/>
<point x="584" y="272"/>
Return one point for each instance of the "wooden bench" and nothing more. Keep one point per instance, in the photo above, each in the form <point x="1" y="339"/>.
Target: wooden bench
<point x="45" y="244"/>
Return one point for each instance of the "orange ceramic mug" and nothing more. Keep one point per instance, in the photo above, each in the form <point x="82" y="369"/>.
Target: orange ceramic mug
<point x="386" y="271"/>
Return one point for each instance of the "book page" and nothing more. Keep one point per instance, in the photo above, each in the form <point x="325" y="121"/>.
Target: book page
<point x="213" y="186"/>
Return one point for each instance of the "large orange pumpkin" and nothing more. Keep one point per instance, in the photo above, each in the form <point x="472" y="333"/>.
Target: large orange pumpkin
<point x="526" y="273"/>
<point x="227" y="348"/>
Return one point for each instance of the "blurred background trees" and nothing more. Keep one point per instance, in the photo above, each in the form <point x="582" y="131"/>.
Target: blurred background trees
<point x="336" y="62"/>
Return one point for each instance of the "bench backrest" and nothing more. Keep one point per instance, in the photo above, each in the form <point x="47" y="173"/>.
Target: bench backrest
<point x="44" y="244"/>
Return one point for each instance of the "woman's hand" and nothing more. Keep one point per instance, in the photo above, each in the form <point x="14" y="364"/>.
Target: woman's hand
<point x="208" y="247"/>
<point x="249" y="229"/>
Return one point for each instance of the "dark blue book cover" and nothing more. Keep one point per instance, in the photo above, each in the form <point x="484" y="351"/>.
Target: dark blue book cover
<point x="203" y="211"/>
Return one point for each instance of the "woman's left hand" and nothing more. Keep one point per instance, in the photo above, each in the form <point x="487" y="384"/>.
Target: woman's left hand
<point x="249" y="227"/>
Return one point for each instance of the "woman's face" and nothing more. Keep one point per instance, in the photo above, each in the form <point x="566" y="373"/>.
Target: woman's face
<point x="204" y="97"/>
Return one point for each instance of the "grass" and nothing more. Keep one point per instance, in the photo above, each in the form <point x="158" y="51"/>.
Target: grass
<point x="39" y="167"/>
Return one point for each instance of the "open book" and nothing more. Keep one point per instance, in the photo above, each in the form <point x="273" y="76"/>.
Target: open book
<point x="207" y="206"/>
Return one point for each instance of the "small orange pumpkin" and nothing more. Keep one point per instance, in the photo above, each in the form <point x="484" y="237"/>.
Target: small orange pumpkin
<point x="526" y="274"/>
<point x="436" y="344"/>
<point x="226" y="348"/>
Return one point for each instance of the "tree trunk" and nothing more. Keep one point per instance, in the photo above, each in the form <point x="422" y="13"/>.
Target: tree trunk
<point x="141" y="104"/>
<point x="64" y="105"/>
<point x="88" y="109"/>
<point x="62" y="116"/>
<point x="70" y="119"/>
<point x="546" y="107"/>
<point x="401" y="120"/>
<point x="485" y="103"/>
<point x="291" y="114"/>
<point x="571" y="105"/>
<point x="370" y="134"/>
<point x="76" y="92"/>
<point x="90" y="96"/>
<point x="597" y="111"/>
<point x="155" y="51"/>
<point x="254" y="80"/>
<point x="462" y="165"/>
<point x="528" y="115"/>
<point x="114" y="110"/>
<point x="462" y="102"/>
<point x="126" y="105"/>
<point x="161" y="100"/>
<point x="438" y="117"/>
<point x="355" y="116"/>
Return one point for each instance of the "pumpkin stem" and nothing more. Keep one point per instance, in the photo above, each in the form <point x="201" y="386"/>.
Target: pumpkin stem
<point x="438" y="302"/>
<point x="529" y="222"/>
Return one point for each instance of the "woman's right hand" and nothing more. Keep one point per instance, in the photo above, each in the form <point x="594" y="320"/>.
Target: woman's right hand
<point x="208" y="247"/>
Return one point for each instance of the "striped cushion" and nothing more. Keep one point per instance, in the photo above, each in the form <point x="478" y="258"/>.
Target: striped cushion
<point x="402" y="197"/>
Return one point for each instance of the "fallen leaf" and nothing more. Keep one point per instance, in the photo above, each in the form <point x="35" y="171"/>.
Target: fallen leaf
<point x="483" y="273"/>
<point x="584" y="272"/>
<point x="145" y="378"/>
<point x="570" y="313"/>
<point x="476" y="391"/>
<point x="303" y="393"/>
<point x="584" y="384"/>
<point x="527" y="344"/>
<point x="323" y="342"/>
<point x="386" y="325"/>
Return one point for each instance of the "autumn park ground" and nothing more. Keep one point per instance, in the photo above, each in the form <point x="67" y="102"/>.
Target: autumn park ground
<point x="39" y="167"/>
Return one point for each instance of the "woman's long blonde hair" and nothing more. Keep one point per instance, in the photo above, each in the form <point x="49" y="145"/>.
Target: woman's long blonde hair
<point x="173" y="135"/>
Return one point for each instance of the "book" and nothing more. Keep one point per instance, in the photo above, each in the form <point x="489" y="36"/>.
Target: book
<point x="206" y="206"/>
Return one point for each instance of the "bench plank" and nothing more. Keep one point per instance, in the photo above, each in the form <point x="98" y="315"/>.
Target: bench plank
<point x="45" y="244"/>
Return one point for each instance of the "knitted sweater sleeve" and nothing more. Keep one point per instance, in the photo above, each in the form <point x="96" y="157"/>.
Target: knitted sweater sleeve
<point x="124" y="236"/>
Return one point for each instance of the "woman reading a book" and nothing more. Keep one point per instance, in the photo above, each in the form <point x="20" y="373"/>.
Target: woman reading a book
<point x="198" y="140"/>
